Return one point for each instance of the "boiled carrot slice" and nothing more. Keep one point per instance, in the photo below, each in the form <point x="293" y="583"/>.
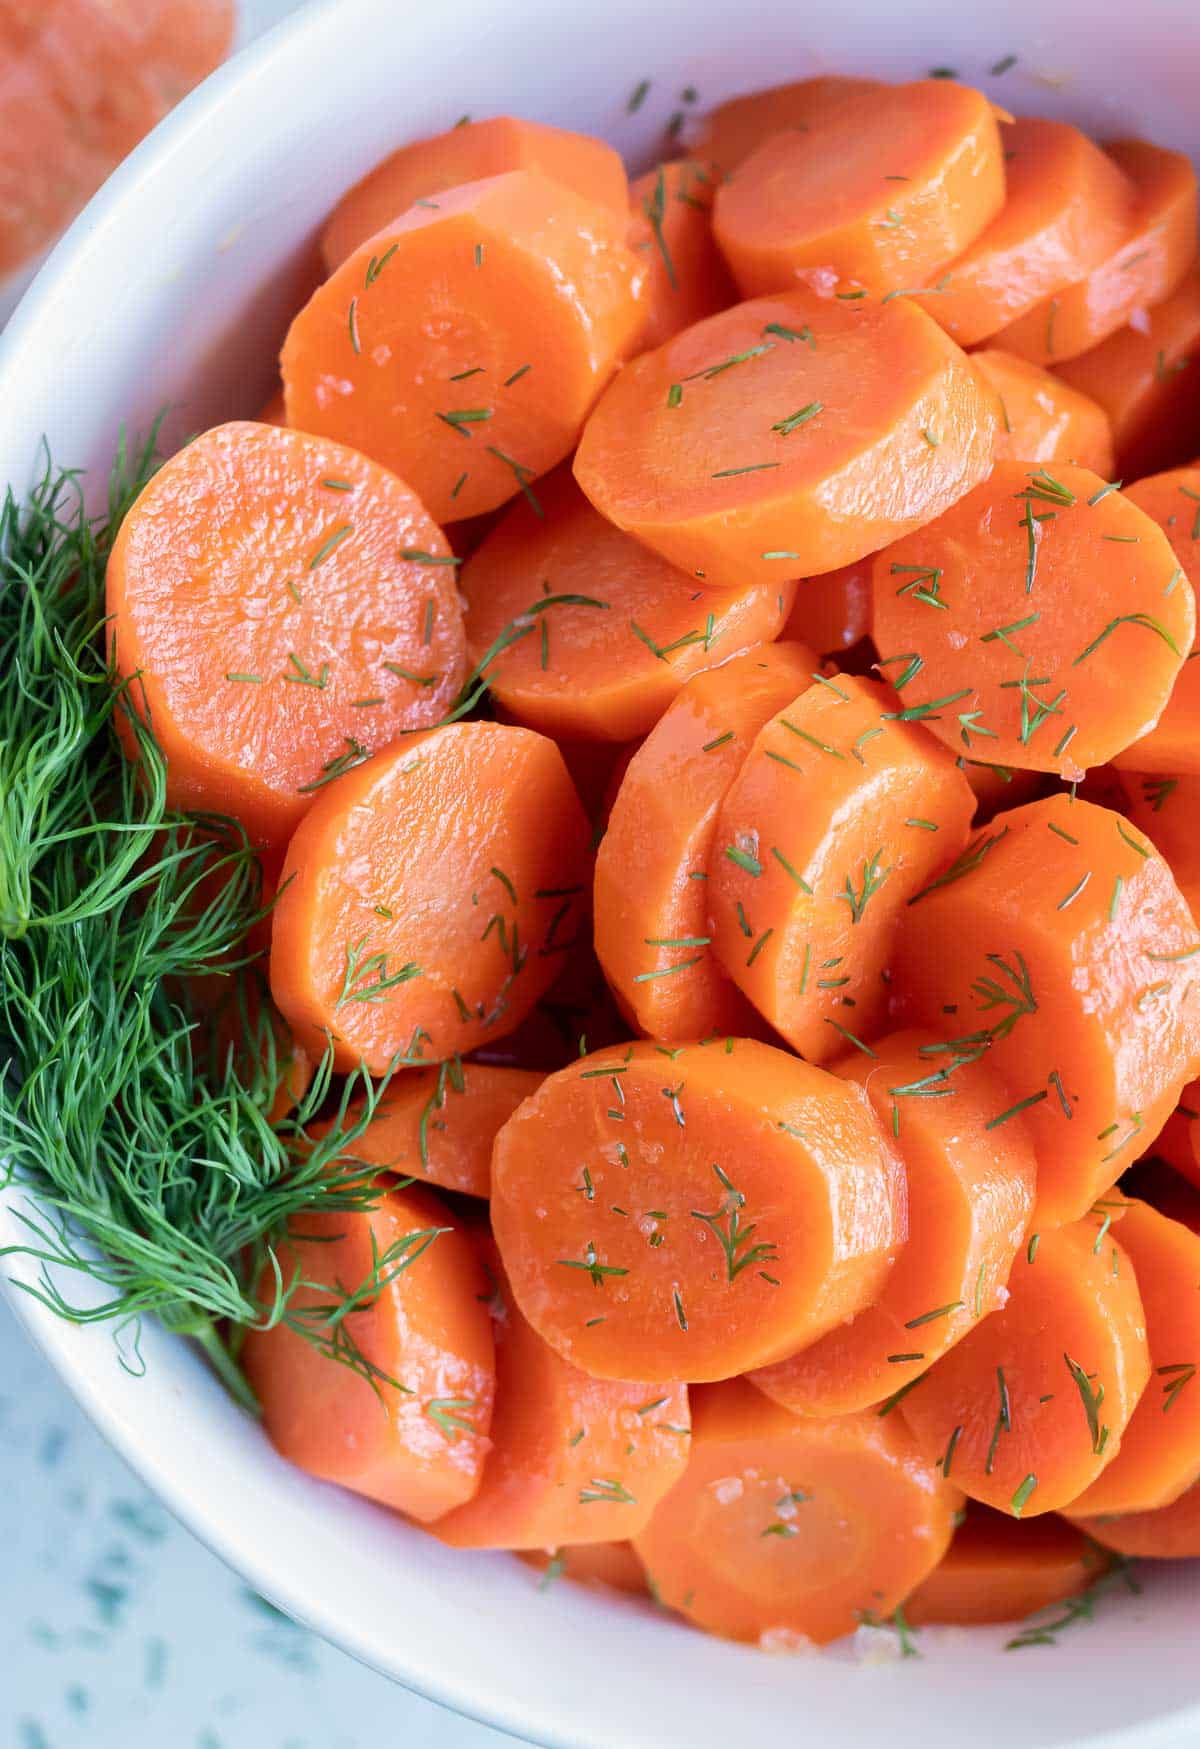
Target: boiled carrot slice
<point x="428" y="897"/>
<point x="783" y="1530"/>
<point x="612" y="1565"/>
<point x="1041" y="418"/>
<point x="1159" y="1457"/>
<point x="394" y="1398"/>
<point x="573" y="1459"/>
<point x="619" y="629"/>
<point x="733" y="129"/>
<point x="1172" y="1533"/>
<point x="286" y="607"/>
<point x="877" y="196"/>
<point x="1144" y="376"/>
<point x="998" y="1570"/>
<point x="832" y="613"/>
<point x="992" y="947"/>
<point x="841" y="812"/>
<point x="650" y="896"/>
<point x="464" y="344"/>
<point x="970" y="1196"/>
<point x="1144" y="269"/>
<point x="786" y="437"/>
<point x="1165" y="809"/>
<point x="1067" y="207"/>
<point x="417" y="174"/>
<point x="1173" y="745"/>
<point x="1009" y="658"/>
<point x="1028" y="1409"/>
<point x="671" y="233"/>
<point x="694" y="1213"/>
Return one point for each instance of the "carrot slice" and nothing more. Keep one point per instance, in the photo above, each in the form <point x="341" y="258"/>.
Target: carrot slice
<point x="464" y="345"/>
<point x="998" y="1570"/>
<point x="573" y="1459"/>
<point x="1172" y="1533"/>
<point x="1142" y="270"/>
<point x="1067" y="207"/>
<point x="832" y="613"/>
<point x="1028" y="1409"/>
<point x="421" y="171"/>
<point x="996" y="941"/>
<point x="841" y="812"/>
<point x="439" y="1124"/>
<point x="1159" y="1457"/>
<point x="286" y="607"/>
<point x="428" y="896"/>
<point x="878" y="195"/>
<point x="670" y="232"/>
<point x="970" y="1195"/>
<point x="1166" y="809"/>
<point x="784" y="1530"/>
<point x="404" y="1417"/>
<point x="1144" y="376"/>
<point x="1172" y="500"/>
<point x="784" y="437"/>
<point x="692" y="1214"/>
<point x="733" y="129"/>
<point x="1013" y="660"/>
<point x="618" y="630"/>
<point x="612" y="1565"/>
<point x="651" y="905"/>
<point x="1041" y="418"/>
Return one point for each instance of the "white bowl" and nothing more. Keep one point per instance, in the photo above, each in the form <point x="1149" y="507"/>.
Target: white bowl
<point x="175" y="286"/>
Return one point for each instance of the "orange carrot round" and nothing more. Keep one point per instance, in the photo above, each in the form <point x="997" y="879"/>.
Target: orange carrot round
<point x="784" y="1530"/>
<point x="464" y="344"/>
<point x="841" y="812"/>
<point x="732" y="131"/>
<point x="1042" y="419"/>
<point x="999" y="1570"/>
<point x="670" y="231"/>
<point x="429" y="895"/>
<point x="1172" y="1533"/>
<point x="1144" y="268"/>
<point x="417" y="174"/>
<point x="573" y="1459"/>
<point x="1165" y="809"/>
<point x="1009" y="658"/>
<point x="1173" y="501"/>
<point x="615" y="630"/>
<point x="1029" y="1407"/>
<point x="832" y="613"/>
<point x="693" y="1213"/>
<point x="879" y="194"/>
<point x="611" y="1565"/>
<point x="395" y="1402"/>
<point x="1058" y="942"/>
<point x="651" y="905"/>
<point x="970" y="1195"/>
<point x="786" y="437"/>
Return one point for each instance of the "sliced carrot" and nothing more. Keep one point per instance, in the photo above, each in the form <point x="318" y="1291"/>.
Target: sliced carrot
<point x="612" y="1565"/>
<point x="1166" y="810"/>
<point x="970" y="1196"/>
<point x="573" y="1459"/>
<point x="1059" y="943"/>
<point x="841" y="812"/>
<point x="785" y="437"/>
<point x="784" y="1530"/>
<point x="1159" y="1457"/>
<point x="617" y="630"/>
<point x="1042" y="419"/>
<point x="732" y="131"/>
<point x="1142" y="270"/>
<point x="272" y="411"/>
<point x="429" y="895"/>
<point x="286" y="606"/>
<point x="651" y="904"/>
<point x="1028" y="1409"/>
<point x="1173" y="745"/>
<point x="1008" y="657"/>
<point x="1067" y="207"/>
<point x="1145" y="376"/>
<point x="464" y="345"/>
<point x="395" y="1401"/>
<point x="439" y="1124"/>
<point x="879" y="195"/>
<point x="693" y="1213"/>
<point x="832" y="613"/>
<point x="999" y="1570"/>
<point x="671" y="233"/>
<point x="1172" y="1533"/>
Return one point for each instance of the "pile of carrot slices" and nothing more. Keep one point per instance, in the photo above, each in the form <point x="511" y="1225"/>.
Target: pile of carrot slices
<point x="706" y="663"/>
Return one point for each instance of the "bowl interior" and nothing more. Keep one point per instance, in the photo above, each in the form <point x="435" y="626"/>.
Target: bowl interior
<point x="174" y="289"/>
